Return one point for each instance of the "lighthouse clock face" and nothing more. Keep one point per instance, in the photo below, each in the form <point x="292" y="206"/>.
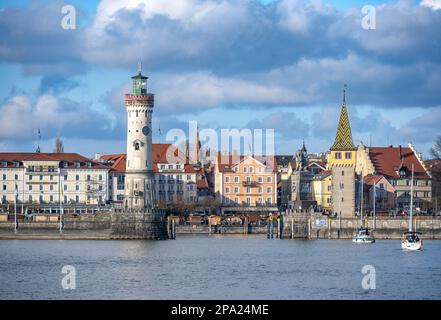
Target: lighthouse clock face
<point x="146" y="130"/>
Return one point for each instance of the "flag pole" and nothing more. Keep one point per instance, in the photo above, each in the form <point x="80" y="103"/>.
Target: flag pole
<point x="59" y="200"/>
<point x="15" y="208"/>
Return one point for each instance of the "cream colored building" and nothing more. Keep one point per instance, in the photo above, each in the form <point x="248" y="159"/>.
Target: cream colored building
<point x="46" y="179"/>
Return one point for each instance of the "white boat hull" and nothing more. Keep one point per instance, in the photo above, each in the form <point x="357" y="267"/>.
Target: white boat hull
<point x="411" y="246"/>
<point x="363" y="239"/>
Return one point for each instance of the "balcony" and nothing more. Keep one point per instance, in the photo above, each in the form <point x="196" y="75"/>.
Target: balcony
<point x="252" y="184"/>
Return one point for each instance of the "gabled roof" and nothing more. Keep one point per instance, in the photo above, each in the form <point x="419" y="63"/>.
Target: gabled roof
<point x="322" y="175"/>
<point x="226" y="163"/>
<point x="388" y="161"/>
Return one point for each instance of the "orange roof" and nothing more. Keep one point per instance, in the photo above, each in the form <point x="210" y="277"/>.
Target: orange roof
<point x="388" y="160"/>
<point x="370" y="179"/>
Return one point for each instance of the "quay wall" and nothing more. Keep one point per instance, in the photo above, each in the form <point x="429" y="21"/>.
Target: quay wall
<point x="102" y="225"/>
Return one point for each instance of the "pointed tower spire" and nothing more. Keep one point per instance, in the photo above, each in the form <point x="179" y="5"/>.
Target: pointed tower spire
<point x="38" y="150"/>
<point x="343" y="138"/>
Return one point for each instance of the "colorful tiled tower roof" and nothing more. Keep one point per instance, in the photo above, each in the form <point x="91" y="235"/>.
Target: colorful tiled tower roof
<point x="343" y="138"/>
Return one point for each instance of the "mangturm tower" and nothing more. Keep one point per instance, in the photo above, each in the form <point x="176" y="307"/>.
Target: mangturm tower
<point x="341" y="162"/>
<point x="139" y="174"/>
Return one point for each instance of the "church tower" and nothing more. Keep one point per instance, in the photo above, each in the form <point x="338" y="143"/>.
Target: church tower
<point x="139" y="173"/>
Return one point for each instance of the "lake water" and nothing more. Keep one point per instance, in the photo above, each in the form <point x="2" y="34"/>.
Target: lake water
<point x="218" y="267"/>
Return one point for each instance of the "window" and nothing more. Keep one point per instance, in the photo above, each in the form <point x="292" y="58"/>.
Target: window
<point x="77" y="188"/>
<point x="348" y="155"/>
<point x="77" y="199"/>
<point x="329" y="188"/>
<point x="244" y="169"/>
<point x="268" y="179"/>
<point x="30" y="198"/>
<point x="4" y="187"/>
<point x="65" y="177"/>
<point x="188" y="176"/>
<point x="51" y="188"/>
<point x="338" y="155"/>
<point x="88" y="177"/>
<point x="41" y="187"/>
<point x="227" y="201"/>
<point x="268" y="201"/>
<point x="227" y="190"/>
<point x="16" y="177"/>
<point x="65" y="187"/>
<point x="30" y="187"/>
<point x="268" y="190"/>
<point x="236" y="179"/>
<point x="248" y="189"/>
<point x="260" y="179"/>
<point x="260" y="190"/>
<point x="236" y="189"/>
<point x="51" y="198"/>
<point x="227" y="179"/>
<point x="381" y="186"/>
<point x="248" y="201"/>
<point x="30" y="177"/>
<point x="4" y="177"/>
<point x="236" y="201"/>
<point x="41" y="178"/>
<point x="51" y="178"/>
<point x="77" y="177"/>
<point x="41" y="199"/>
<point x="251" y="169"/>
<point x="248" y="179"/>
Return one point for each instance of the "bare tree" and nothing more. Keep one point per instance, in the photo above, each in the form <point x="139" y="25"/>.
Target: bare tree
<point x="435" y="151"/>
<point x="59" y="148"/>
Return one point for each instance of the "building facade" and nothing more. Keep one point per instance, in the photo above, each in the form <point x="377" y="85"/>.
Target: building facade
<point x="246" y="181"/>
<point x="48" y="179"/>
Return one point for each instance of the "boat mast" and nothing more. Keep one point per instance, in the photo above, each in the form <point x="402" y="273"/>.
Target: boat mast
<point x="411" y="203"/>
<point x="361" y="205"/>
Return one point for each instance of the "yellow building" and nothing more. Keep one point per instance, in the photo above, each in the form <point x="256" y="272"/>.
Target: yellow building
<point x="322" y="188"/>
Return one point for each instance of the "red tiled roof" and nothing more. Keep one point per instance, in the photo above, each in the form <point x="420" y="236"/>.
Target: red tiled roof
<point x="369" y="179"/>
<point x="227" y="162"/>
<point x="69" y="158"/>
<point x="159" y="155"/>
<point x="387" y="161"/>
<point x="202" y="183"/>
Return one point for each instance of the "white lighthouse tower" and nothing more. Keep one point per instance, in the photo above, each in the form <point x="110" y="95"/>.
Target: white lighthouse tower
<point x="139" y="173"/>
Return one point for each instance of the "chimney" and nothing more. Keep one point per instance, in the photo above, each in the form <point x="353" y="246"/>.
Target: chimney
<point x="401" y="157"/>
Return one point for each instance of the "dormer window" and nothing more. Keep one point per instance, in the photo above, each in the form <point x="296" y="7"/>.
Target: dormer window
<point x="77" y="164"/>
<point x="89" y="164"/>
<point x="5" y="163"/>
<point x="65" y="163"/>
<point x="402" y="172"/>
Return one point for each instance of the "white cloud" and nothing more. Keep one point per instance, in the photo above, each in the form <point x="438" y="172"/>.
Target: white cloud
<point x="433" y="4"/>
<point x="22" y="117"/>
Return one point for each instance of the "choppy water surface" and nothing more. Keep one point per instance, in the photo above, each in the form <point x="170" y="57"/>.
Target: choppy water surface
<point x="217" y="267"/>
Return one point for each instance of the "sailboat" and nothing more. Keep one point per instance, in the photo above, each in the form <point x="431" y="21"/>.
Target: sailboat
<point x="411" y="239"/>
<point x="362" y="234"/>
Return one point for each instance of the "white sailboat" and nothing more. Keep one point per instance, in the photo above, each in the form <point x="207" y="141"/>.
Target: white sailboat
<point x="362" y="234"/>
<point x="411" y="239"/>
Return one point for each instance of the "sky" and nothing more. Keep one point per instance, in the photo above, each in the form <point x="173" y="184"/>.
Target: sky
<point x="270" y="64"/>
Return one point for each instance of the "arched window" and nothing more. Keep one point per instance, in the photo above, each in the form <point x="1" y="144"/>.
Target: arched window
<point x="136" y="145"/>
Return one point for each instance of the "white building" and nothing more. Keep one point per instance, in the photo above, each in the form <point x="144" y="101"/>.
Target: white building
<point x="46" y="179"/>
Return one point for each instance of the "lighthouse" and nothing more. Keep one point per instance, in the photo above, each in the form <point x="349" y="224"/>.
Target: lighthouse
<point x="139" y="173"/>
